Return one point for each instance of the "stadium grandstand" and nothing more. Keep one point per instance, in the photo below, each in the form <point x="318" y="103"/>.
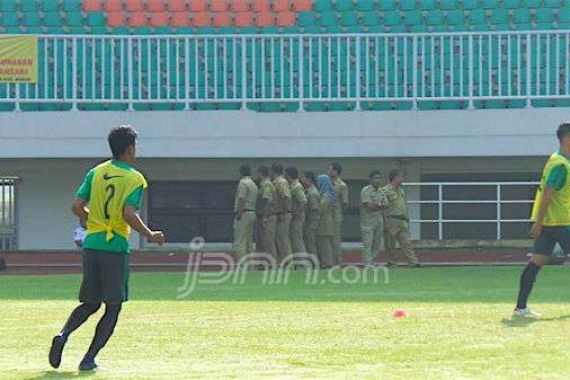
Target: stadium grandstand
<point x="448" y="90"/>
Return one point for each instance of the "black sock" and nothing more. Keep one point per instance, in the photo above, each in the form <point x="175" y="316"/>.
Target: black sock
<point x="528" y="277"/>
<point x="78" y="317"/>
<point x="104" y="330"/>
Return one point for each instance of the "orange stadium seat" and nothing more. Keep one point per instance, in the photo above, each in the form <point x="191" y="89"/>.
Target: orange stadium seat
<point x="218" y="5"/>
<point x="116" y="19"/>
<point x="281" y="6"/>
<point x="244" y="19"/>
<point x="134" y="5"/>
<point x="176" y="5"/>
<point x="180" y="19"/>
<point x="240" y="5"/>
<point x="113" y="5"/>
<point x="159" y="19"/>
<point x="200" y="19"/>
<point x="302" y="5"/>
<point x="92" y="5"/>
<point x="155" y="5"/>
<point x="260" y="6"/>
<point x="137" y="19"/>
<point x="286" y="19"/>
<point x="197" y="5"/>
<point x="222" y="19"/>
<point x="265" y="19"/>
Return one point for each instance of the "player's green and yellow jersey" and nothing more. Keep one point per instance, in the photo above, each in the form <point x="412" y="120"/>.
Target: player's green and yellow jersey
<point x="108" y="188"/>
<point x="555" y="175"/>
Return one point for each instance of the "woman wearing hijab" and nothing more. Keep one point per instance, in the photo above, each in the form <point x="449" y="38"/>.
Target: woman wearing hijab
<point x="324" y="235"/>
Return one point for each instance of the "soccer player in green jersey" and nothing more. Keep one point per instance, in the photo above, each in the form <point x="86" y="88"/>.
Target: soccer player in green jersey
<point x="551" y="217"/>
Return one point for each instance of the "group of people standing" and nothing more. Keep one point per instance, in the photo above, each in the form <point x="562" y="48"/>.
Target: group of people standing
<point x="291" y="214"/>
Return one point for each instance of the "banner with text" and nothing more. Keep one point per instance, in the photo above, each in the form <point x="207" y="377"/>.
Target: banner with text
<point x="18" y="59"/>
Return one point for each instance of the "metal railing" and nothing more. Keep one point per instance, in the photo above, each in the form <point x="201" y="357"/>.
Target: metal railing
<point x="497" y="204"/>
<point x="187" y="70"/>
<point x="8" y="213"/>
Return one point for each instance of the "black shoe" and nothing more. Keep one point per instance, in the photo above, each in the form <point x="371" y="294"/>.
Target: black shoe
<point x="57" y="344"/>
<point x="416" y="265"/>
<point x="87" y="365"/>
<point x="391" y="264"/>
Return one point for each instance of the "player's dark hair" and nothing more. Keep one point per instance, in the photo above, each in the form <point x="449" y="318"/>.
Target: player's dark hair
<point x="292" y="172"/>
<point x="310" y="175"/>
<point x="336" y="167"/>
<point x="263" y="170"/>
<point x="277" y="168"/>
<point x="373" y="173"/>
<point x="563" y="130"/>
<point x="394" y="173"/>
<point x="245" y="170"/>
<point x="120" y="139"/>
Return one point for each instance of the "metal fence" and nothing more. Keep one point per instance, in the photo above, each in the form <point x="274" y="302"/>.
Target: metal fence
<point x="188" y="70"/>
<point x="8" y="213"/>
<point x="471" y="210"/>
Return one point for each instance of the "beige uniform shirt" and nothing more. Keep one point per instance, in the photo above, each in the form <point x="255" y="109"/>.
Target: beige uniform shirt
<point x="341" y="195"/>
<point x="246" y="190"/>
<point x="369" y="194"/>
<point x="283" y="193"/>
<point x="298" y="198"/>
<point x="398" y="205"/>
<point x="313" y="205"/>
<point x="267" y="191"/>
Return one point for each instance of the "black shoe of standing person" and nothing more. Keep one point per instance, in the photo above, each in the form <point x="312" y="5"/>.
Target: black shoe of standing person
<point x="87" y="365"/>
<point x="57" y="344"/>
<point x="416" y="265"/>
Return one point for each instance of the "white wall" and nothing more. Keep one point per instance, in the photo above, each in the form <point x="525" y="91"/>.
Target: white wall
<point x="225" y="134"/>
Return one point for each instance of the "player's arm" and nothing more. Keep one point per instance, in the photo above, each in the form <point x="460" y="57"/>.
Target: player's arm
<point x="79" y="209"/>
<point x="133" y="219"/>
<point x="555" y="181"/>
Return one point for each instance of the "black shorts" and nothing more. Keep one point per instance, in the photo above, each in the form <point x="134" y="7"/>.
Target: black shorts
<point x="544" y="244"/>
<point x="105" y="277"/>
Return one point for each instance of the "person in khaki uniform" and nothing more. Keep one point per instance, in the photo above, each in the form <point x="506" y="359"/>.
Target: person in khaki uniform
<point x="312" y="213"/>
<point x="340" y="203"/>
<point x="298" y="207"/>
<point x="284" y="215"/>
<point x="266" y="218"/>
<point x="373" y="202"/>
<point x="398" y="220"/>
<point x="324" y="232"/>
<point x="245" y="205"/>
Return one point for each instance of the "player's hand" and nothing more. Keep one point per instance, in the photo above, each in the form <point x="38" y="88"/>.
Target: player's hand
<point x="156" y="237"/>
<point x="536" y="230"/>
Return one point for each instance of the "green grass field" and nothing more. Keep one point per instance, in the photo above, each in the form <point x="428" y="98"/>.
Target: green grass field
<point x="459" y="327"/>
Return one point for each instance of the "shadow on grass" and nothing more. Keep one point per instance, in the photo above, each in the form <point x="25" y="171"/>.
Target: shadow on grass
<point x="525" y="322"/>
<point x="61" y="375"/>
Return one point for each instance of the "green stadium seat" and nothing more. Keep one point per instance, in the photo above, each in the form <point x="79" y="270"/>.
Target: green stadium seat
<point x="52" y="19"/>
<point x="489" y="4"/>
<point x="29" y="6"/>
<point x="365" y="5"/>
<point x="407" y="5"/>
<point x="434" y="18"/>
<point x="428" y="5"/>
<point x="95" y="19"/>
<point x="31" y="18"/>
<point x="413" y="18"/>
<point x="74" y="19"/>
<point x="531" y="3"/>
<point x="478" y="17"/>
<point x="370" y="19"/>
<point x="553" y="4"/>
<point x="455" y="17"/>
<point x="349" y="19"/>
<point x="522" y="16"/>
<point x="344" y="6"/>
<point x="328" y="19"/>
<point x="470" y="4"/>
<point x="392" y="18"/>
<point x="511" y="4"/>
<point x="307" y="19"/>
<point x="10" y="19"/>
<point x="500" y="16"/>
<point x="8" y="6"/>
<point x="543" y="16"/>
<point x="322" y="5"/>
<point x="71" y="5"/>
<point x="449" y="4"/>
